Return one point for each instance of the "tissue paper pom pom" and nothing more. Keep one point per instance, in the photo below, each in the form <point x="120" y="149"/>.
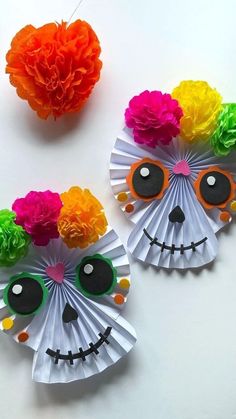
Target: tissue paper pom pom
<point x="54" y="67"/>
<point x="14" y="241"/>
<point x="37" y="213"/>
<point x="154" y="118"/>
<point x="224" y="137"/>
<point x="201" y="106"/>
<point x="82" y="219"/>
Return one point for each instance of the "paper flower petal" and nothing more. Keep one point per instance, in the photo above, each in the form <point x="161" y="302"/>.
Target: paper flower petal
<point x="38" y="213"/>
<point x="201" y="106"/>
<point x="82" y="220"/>
<point x="154" y="118"/>
<point x="54" y="67"/>
<point x="223" y="139"/>
<point x="14" y="241"/>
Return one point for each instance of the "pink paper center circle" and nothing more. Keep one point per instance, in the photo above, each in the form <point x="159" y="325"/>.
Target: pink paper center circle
<point x="56" y="272"/>
<point x="182" y="168"/>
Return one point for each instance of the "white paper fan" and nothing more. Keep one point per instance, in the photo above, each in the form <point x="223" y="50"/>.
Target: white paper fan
<point x="155" y="239"/>
<point x="99" y="336"/>
<point x="111" y="340"/>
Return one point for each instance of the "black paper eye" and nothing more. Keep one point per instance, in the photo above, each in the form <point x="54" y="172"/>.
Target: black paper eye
<point x="25" y="294"/>
<point x="96" y="276"/>
<point x="214" y="187"/>
<point x="148" y="179"/>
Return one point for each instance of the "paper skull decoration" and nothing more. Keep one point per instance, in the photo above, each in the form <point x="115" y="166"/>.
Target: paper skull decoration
<point x="172" y="172"/>
<point x="64" y="279"/>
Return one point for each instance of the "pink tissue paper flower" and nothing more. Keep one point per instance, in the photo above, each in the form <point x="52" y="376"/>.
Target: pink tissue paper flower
<point x="154" y="118"/>
<point x="37" y="213"/>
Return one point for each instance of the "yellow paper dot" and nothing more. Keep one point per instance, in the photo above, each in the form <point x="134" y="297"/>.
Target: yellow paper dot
<point x="233" y="205"/>
<point x="7" y="323"/>
<point x="122" y="197"/>
<point x="124" y="283"/>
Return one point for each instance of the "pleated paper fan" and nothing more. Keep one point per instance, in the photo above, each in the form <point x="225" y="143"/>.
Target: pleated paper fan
<point x="176" y="189"/>
<point x="65" y="304"/>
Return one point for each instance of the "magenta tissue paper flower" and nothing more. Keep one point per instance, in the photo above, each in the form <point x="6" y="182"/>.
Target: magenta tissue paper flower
<point x="37" y="213"/>
<point x="154" y="118"/>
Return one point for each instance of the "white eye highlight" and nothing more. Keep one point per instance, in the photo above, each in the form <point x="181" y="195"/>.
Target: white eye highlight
<point x="17" y="289"/>
<point x="211" y="180"/>
<point x="144" y="172"/>
<point x="88" y="269"/>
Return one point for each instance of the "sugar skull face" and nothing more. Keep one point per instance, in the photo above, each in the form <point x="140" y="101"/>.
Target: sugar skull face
<point x="178" y="190"/>
<point x="65" y="301"/>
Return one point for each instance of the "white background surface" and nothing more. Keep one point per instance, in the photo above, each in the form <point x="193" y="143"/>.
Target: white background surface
<point x="184" y="364"/>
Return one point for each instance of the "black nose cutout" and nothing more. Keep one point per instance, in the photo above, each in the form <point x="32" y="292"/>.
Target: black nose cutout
<point x="177" y="215"/>
<point x="69" y="314"/>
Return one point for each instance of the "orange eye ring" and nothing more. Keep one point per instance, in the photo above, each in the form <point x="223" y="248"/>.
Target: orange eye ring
<point x="165" y="183"/>
<point x="197" y="187"/>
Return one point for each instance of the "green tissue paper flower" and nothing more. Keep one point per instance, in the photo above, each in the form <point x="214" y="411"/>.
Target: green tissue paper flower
<point x="14" y="241"/>
<point x="224" y="137"/>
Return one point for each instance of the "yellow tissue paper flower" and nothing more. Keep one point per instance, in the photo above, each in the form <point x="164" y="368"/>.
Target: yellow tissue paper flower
<point x="82" y="220"/>
<point x="201" y="106"/>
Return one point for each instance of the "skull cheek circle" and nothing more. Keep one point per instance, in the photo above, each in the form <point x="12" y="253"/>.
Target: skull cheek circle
<point x="172" y="173"/>
<point x="65" y="304"/>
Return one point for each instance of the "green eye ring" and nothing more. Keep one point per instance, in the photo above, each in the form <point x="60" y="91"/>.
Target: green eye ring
<point x="25" y="294"/>
<point x="96" y="276"/>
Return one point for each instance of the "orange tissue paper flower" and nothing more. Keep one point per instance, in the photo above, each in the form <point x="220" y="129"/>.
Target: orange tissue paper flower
<point x="54" y="67"/>
<point x="81" y="221"/>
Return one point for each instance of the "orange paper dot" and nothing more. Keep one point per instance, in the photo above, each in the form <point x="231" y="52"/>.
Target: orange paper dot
<point x="23" y="337"/>
<point x="129" y="208"/>
<point x="122" y="197"/>
<point x="225" y="216"/>
<point x="119" y="299"/>
<point x="124" y="283"/>
<point x="7" y="323"/>
<point x="233" y="205"/>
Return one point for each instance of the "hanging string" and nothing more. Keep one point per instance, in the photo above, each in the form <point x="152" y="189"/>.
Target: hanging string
<point x="74" y="12"/>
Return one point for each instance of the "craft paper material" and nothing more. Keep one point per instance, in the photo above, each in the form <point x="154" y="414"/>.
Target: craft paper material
<point x="55" y="67"/>
<point x="65" y="302"/>
<point x="178" y="193"/>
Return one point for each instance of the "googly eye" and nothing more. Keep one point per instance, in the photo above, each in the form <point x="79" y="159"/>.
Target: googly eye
<point x="25" y="294"/>
<point x="88" y="269"/>
<point x="17" y="289"/>
<point x="144" y="172"/>
<point x="214" y="187"/>
<point x="211" y="180"/>
<point x="95" y="276"/>
<point x="148" y="179"/>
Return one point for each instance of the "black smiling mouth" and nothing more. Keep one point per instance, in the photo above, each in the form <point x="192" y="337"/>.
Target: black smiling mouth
<point x="93" y="348"/>
<point x="173" y="248"/>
